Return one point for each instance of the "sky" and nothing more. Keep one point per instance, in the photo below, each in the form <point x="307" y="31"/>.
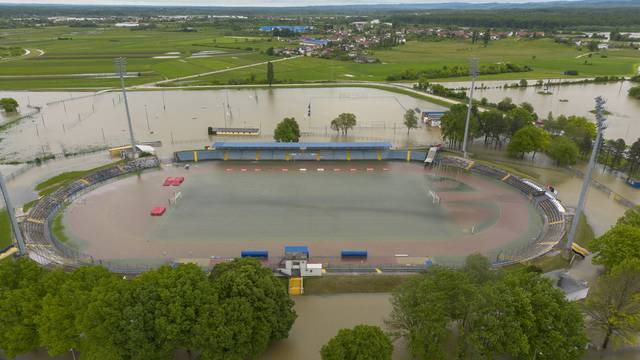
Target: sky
<point x="265" y="3"/>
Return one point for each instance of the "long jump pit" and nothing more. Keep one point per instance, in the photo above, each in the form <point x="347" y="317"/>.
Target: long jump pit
<point x="391" y="209"/>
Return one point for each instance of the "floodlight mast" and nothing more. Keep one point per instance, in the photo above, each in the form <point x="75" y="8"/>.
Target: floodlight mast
<point x="121" y="64"/>
<point x="600" y="126"/>
<point x="12" y="217"/>
<point x="473" y="71"/>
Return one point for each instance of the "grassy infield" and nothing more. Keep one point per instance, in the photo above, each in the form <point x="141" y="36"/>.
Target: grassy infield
<point x="93" y="50"/>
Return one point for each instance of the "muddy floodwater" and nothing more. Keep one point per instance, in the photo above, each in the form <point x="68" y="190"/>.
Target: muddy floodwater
<point x="222" y="208"/>
<point x="577" y="99"/>
<point x="72" y="122"/>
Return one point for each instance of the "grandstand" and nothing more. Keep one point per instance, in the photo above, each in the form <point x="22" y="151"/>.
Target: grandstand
<point x="46" y="249"/>
<point x="552" y="211"/>
<point x="43" y="247"/>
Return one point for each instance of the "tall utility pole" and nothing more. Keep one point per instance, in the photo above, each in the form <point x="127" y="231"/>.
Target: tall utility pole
<point x="121" y="65"/>
<point x="473" y="71"/>
<point x="12" y="217"/>
<point x="600" y="124"/>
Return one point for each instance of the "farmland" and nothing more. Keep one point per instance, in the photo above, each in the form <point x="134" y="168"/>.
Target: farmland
<point x="66" y="57"/>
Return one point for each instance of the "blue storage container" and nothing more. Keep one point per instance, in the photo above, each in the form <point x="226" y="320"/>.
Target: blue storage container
<point x="255" y="253"/>
<point x="354" y="253"/>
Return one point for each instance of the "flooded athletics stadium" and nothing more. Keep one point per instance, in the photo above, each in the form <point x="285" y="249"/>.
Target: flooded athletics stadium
<point x="386" y="207"/>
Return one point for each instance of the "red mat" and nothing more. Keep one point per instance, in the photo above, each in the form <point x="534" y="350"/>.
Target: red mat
<point x="158" y="211"/>
<point x="178" y="181"/>
<point x="168" y="181"/>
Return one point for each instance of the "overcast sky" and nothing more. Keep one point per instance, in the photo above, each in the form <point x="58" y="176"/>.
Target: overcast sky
<point x="252" y="2"/>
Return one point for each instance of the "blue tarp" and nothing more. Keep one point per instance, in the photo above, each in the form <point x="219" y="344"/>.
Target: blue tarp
<point x="296" y="249"/>
<point x="373" y="145"/>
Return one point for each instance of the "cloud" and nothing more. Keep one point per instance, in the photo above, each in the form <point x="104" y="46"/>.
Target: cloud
<point x="264" y="3"/>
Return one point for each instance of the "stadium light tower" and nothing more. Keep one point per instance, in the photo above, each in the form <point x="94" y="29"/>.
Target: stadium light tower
<point x="600" y="125"/>
<point x="121" y="65"/>
<point x="473" y="71"/>
<point x="12" y="216"/>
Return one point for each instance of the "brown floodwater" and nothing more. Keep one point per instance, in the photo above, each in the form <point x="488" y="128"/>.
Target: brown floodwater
<point x="225" y="207"/>
<point x="625" y="111"/>
<point x="179" y="119"/>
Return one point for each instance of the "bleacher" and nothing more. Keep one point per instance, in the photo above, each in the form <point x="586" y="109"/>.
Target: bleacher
<point x="551" y="209"/>
<point x="43" y="247"/>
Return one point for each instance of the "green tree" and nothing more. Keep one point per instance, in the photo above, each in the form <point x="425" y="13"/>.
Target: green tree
<point x="635" y="92"/>
<point x="517" y="118"/>
<point x="343" y="123"/>
<point x="256" y="306"/>
<point x="506" y="105"/>
<point x="270" y="51"/>
<point x="486" y="37"/>
<point x="9" y="104"/>
<point x="613" y="304"/>
<point x="634" y="159"/>
<point x="453" y="124"/>
<point x="514" y="314"/>
<point x="563" y="151"/>
<point x="287" y="131"/>
<point x="22" y="288"/>
<point x="619" y="147"/>
<point x="64" y="307"/>
<point x="619" y="243"/>
<point x="523" y="83"/>
<point x="360" y="343"/>
<point x="177" y="298"/>
<point x="270" y="73"/>
<point x="493" y="125"/>
<point x="410" y="120"/>
<point x="631" y="217"/>
<point x="528" y="139"/>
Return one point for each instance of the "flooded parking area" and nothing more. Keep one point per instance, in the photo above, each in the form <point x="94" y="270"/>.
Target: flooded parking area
<point x="387" y="208"/>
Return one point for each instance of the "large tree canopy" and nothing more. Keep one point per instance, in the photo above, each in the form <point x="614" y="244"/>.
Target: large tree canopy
<point x="517" y="314"/>
<point x="287" y="131"/>
<point x="360" y="343"/>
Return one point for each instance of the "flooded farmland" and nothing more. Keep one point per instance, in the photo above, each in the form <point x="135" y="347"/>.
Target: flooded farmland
<point x="179" y="119"/>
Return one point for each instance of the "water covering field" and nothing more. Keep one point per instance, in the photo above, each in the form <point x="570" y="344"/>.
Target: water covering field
<point x="225" y="207"/>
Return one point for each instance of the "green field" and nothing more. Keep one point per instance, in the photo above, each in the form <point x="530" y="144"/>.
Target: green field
<point x="5" y="229"/>
<point x="72" y="51"/>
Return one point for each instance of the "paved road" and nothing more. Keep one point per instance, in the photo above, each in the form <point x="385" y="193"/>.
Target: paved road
<point x="154" y="84"/>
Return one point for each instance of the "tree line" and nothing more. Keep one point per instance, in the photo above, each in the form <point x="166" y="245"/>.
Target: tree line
<point x="565" y="139"/>
<point x="234" y="312"/>
<point x="613" y="304"/>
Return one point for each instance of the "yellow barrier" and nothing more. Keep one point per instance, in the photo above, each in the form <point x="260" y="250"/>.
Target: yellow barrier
<point x="10" y="251"/>
<point x="348" y="155"/>
<point x="579" y="249"/>
<point x="257" y="155"/>
<point x="408" y="155"/>
<point x="286" y="157"/>
<point x="295" y="286"/>
<point x="225" y="156"/>
<point x="470" y="165"/>
<point x="506" y="177"/>
<point x="318" y="156"/>
<point x="379" y="155"/>
<point x="195" y="156"/>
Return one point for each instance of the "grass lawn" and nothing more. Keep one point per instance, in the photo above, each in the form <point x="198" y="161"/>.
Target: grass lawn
<point x="340" y="284"/>
<point x="5" y="229"/>
<point x="57" y="228"/>
<point x="51" y="185"/>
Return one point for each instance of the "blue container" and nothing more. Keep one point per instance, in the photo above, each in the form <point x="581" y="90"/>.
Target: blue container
<point x="254" y="253"/>
<point x="635" y="183"/>
<point x="354" y="253"/>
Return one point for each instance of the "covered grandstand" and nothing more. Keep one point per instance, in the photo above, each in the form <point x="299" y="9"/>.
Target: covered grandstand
<point x="289" y="151"/>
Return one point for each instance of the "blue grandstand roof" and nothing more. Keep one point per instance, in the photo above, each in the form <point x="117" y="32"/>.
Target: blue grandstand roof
<point x="296" y="249"/>
<point x="373" y="145"/>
